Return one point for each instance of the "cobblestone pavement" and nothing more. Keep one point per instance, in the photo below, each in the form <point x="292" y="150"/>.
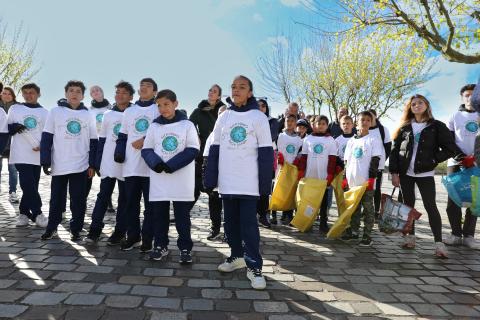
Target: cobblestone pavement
<point x="308" y="276"/>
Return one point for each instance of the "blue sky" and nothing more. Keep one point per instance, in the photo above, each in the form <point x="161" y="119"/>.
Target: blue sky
<point x="184" y="45"/>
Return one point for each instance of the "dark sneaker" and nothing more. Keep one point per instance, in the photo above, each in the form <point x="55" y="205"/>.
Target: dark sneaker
<point x="366" y="241"/>
<point x="324" y="228"/>
<point x="158" y="253"/>
<point x="185" y="257"/>
<point x="263" y="220"/>
<point x="75" y="236"/>
<point x="146" y="246"/>
<point x="273" y="220"/>
<point x="93" y="236"/>
<point x="115" y="239"/>
<point x="130" y="243"/>
<point x="214" y="235"/>
<point x="49" y="234"/>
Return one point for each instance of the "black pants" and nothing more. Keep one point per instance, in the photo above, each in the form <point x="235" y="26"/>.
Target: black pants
<point x="89" y="187"/>
<point x="161" y="221"/>
<point x="324" y="209"/>
<point x="426" y="185"/>
<point x="378" y="192"/>
<point x="215" y="208"/>
<point x="31" y="203"/>
<point x="106" y="189"/>
<point x="454" y="214"/>
<point x="134" y="187"/>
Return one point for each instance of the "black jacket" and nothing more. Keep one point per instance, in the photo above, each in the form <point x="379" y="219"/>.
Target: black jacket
<point x="204" y="117"/>
<point x="436" y="145"/>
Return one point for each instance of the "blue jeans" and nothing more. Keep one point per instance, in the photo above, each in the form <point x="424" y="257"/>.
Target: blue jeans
<point x="161" y="221"/>
<point x="12" y="176"/>
<point x="31" y="203"/>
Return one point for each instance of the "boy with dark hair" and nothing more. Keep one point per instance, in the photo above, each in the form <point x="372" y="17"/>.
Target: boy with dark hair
<point x="68" y="146"/>
<point x="135" y="122"/>
<point x="109" y="170"/>
<point x="464" y="127"/>
<point x="25" y="123"/>
<point x="170" y="148"/>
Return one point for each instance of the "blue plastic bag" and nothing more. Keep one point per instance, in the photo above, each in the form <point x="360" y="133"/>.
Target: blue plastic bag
<point x="459" y="186"/>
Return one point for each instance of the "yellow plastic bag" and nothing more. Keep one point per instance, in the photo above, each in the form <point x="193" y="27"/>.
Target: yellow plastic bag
<point x="339" y="194"/>
<point x="352" y="200"/>
<point x="283" y="195"/>
<point x="309" y="197"/>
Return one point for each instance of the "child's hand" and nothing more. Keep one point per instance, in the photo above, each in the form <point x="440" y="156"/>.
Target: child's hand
<point x="91" y="173"/>
<point x="371" y="184"/>
<point x="138" y="144"/>
<point x="46" y="170"/>
<point x="396" y="180"/>
<point x="36" y="149"/>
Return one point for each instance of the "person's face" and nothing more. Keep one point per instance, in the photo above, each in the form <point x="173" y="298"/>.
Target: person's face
<point x="146" y="91"/>
<point x="74" y="95"/>
<point x="167" y="107"/>
<point x="96" y="93"/>
<point x="364" y="122"/>
<point x="262" y="106"/>
<point x="6" y="96"/>
<point x="466" y="98"/>
<point x="122" y="97"/>
<point x="347" y="125"/>
<point x="418" y="106"/>
<point x="213" y="94"/>
<point x="240" y="91"/>
<point x="320" y="126"/>
<point x="293" y="109"/>
<point x="342" y="112"/>
<point x="291" y="123"/>
<point x="301" y="130"/>
<point x="30" y="95"/>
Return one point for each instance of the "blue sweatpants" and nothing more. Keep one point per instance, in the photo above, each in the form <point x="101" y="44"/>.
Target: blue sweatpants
<point x="161" y="220"/>
<point x="107" y="185"/>
<point x="134" y="188"/>
<point x="241" y="226"/>
<point x="31" y="203"/>
<point x="76" y="183"/>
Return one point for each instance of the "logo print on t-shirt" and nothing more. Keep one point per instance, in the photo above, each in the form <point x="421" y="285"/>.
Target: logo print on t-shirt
<point x="290" y="149"/>
<point x="116" y="129"/>
<point x="471" y="126"/>
<point x="74" y="127"/>
<point x="30" y="123"/>
<point x="417" y="137"/>
<point x="318" y="148"/>
<point x="170" y="143"/>
<point x="358" y="152"/>
<point x="99" y="117"/>
<point x="238" y="134"/>
<point x="141" y="125"/>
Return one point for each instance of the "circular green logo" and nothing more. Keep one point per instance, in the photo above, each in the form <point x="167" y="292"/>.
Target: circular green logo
<point x="74" y="127"/>
<point x="141" y="125"/>
<point x="170" y="143"/>
<point x="238" y="134"/>
<point x="417" y="137"/>
<point x="471" y="126"/>
<point x="290" y="149"/>
<point x="99" y="117"/>
<point x="116" y="129"/>
<point x="318" y="148"/>
<point x="30" y="123"/>
<point x="358" y="152"/>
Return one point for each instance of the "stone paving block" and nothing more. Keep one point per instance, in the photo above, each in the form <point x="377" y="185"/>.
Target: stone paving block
<point x="11" y="310"/>
<point x="270" y="306"/>
<point x="396" y="309"/>
<point x="365" y="308"/>
<point x="408" y="297"/>
<point x="84" y="313"/>
<point x="216" y="293"/>
<point x="134" y="280"/>
<point x="123" y="301"/>
<point x="153" y="291"/>
<point x="5" y="283"/>
<point x="44" y="313"/>
<point x="60" y="267"/>
<point x="94" y="269"/>
<point x="252" y="294"/>
<point x="156" y="272"/>
<point x="339" y="307"/>
<point x="85" y="299"/>
<point x="44" y="298"/>
<point x="9" y="295"/>
<point x="167" y="281"/>
<point x="436" y="298"/>
<point x="157" y="315"/>
<point x="78" y="287"/>
<point x="197" y="304"/>
<point x="69" y="276"/>
<point x="424" y="309"/>
<point x="163" y="303"/>
<point x="124" y="315"/>
<point x="321" y="295"/>
<point x="113" y="288"/>
<point x="204" y="283"/>
<point x="461" y="310"/>
<point x="286" y="317"/>
<point x="233" y="305"/>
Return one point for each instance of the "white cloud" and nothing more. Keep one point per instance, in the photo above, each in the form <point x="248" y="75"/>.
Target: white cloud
<point x="257" y="17"/>
<point x="280" y="40"/>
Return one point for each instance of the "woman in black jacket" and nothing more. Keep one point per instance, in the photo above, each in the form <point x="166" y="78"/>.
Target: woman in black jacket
<point x="419" y="145"/>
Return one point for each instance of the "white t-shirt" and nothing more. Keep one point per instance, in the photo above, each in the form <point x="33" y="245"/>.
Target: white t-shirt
<point x="465" y="126"/>
<point x="98" y="114"/>
<point x="358" y="154"/>
<point x="318" y="149"/>
<point x="112" y="121"/>
<point x="417" y="129"/>
<point x="3" y="121"/>
<point x="208" y="143"/>
<point x="135" y="123"/>
<point x="289" y="146"/>
<point x="341" y="142"/>
<point x="21" y="148"/>
<point x="376" y="134"/>
<point x="239" y="135"/>
<point x="168" y="140"/>
<point x="72" y="131"/>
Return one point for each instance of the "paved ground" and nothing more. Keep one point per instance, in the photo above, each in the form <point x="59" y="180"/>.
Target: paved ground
<point x="309" y="277"/>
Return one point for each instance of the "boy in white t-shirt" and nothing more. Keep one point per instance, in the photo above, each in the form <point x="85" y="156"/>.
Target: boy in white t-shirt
<point x="25" y="123"/>
<point x="68" y="146"/>
<point x="362" y="156"/>
<point x="109" y="170"/>
<point x="318" y="159"/>
<point x="170" y="148"/>
<point x="346" y="124"/>
<point x="135" y="123"/>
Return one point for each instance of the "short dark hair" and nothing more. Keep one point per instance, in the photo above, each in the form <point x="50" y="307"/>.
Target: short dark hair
<point x="365" y="114"/>
<point x="373" y="111"/>
<point x="75" y="83"/>
<point x="127" y="86"/>
<point x="250" y="84"/>
<point x="1" y="85"/>
<point x="470" y="86"/>
<point x="151" y="81"/>
<point x="346" y="117"/>
<point x="167" y="94"/>
<point x="31" y="85"/>
<point x="290" y="115"/>
<point x="321" y="118"/>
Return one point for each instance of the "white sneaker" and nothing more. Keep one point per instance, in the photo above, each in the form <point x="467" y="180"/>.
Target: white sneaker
<point x="232" y="264"/>
<point x="452" y="240"/>
<point x="441" y="250"/>
<point x="22" y="220"/>
<point x="41" y="220"/>
<point x="409" y="242"/>
<point x="257" y="281"/>
<point x="12" y="197"/>
<point x="471" y="243"/>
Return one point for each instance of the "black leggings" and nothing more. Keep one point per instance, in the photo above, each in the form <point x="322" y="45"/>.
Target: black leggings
<point x="426" y="185"/>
